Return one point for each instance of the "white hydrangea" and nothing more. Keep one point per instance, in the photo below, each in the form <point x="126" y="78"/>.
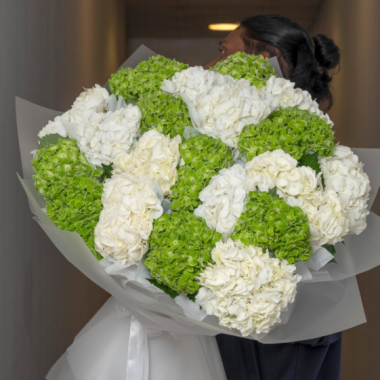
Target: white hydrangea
<point x="219" y="106"/>
<point x="281" y="93"/>
<point x="155" y="155"/>
<point x="90" y="104"/>
<point x="328" y="224"/>
<point x="193" y="81"/>
<point x="246" y="288"/>
<point x="343" y="174"/>
<point x="91" y="100"/>
<point x="302" y="187"/>
<point x="224" y="199"/>
<point x="59" y="124"/>
<point x="53" y="127"/>
<point x="266" y="169"/>
<point x="130" y="204"/>
<point x="103" y="136"/>
<point x="298" y="181"/>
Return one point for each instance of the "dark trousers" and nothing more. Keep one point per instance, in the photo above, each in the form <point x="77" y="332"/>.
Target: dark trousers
<point x="315" y="359"/>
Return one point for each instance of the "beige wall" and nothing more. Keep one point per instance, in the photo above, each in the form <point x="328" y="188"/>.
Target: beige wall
<point x="50" y="51"/>
<point x="355" y="26"/>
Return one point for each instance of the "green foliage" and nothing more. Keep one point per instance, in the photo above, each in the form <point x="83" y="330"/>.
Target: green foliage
<point x="163" y="287"/>
<point x="145" y="79"/>
<point x="330" y="248"/>
<point x="254" y="68"/>
<point x="70" y="186"/>
<point x="269" y="222"/>
<point x="107" y="172"/>
<point x="295" y="131"/>
<point x="192" y="297"/>
<point x="310" y="160"/>
<point x="142" y="86"/>
<point x="204" y="156"/>
<point x="49" y="139"/>
<point x="166" y="114"/>
<point x="180" y="249"/>
<point x="173" y="294"/>
<point x="273" y="192"/>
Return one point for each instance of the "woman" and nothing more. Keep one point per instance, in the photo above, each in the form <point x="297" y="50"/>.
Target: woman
<point x="305" y="62"/>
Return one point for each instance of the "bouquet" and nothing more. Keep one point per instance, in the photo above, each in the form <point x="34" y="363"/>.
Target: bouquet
<point x="222" y="188"/>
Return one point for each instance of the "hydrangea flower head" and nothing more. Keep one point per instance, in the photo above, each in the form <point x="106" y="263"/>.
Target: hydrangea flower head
<point x="71" y="187"/>
<point x="293" y="130"/>
<point x="180" y="248"/>
<point x="246" y="288"/>
<point x="145" y="79"/>
<point x="254" y="68"/>
<point x="270" y="223"/>
<point x="203" y="157"/>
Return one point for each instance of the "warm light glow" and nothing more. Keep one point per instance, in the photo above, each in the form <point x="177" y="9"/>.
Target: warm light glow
<point x="223" y="27"/>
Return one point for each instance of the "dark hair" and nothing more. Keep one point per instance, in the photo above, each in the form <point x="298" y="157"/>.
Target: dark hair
<point x="307" y="60"/>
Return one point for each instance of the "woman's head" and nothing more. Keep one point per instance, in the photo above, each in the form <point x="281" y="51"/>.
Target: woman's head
<point x="303" y="60"/>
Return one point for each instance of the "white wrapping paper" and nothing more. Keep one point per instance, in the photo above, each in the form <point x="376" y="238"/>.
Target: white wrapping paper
<point x="328" y="298"/>
<point x="102" y="349"/>
<point x="152" y="307"/>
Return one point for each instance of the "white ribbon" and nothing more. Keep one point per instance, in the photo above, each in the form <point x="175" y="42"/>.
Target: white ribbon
<point x="320" y="257"/>
<point x="138" y="352"/>
<point x="138" y="349"/>
<point x="311" y="269"/>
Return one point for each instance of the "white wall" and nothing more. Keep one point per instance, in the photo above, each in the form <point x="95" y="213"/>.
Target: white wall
<point x="355" y="26"/>
<point x="50" y="50"/>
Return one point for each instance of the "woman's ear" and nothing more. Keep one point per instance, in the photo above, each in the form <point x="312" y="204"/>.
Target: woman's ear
<point x="265" y="54"/>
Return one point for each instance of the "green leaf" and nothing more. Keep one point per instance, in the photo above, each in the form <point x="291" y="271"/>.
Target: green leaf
<point x="273" y="192"/>
<point x="191" y="297"/>
<point x="330" y="248"/>
<point x="310" y="160"/>
<point x="50" y="139"/>
<point x="107" y="172"/>
<point x="173" y="294"/>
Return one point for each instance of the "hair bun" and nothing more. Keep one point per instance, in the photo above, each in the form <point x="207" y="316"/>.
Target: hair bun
<point x="326" y="52"/>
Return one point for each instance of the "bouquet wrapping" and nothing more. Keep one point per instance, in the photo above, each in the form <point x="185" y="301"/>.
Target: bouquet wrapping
<point x="216" y="202"/>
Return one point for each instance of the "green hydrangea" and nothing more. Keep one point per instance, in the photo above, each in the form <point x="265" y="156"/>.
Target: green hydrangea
<point x="145" y="79"/>
<point x="295" y="131"/>
<point x="166" y="114"/>
<point x="180" y="249"/>
<point x="254" y="68"/>
<point x="71" y="188"/>
<point x="142" y="86"/>
<point x="269" y="222"/>
<point x="204" y="156"/>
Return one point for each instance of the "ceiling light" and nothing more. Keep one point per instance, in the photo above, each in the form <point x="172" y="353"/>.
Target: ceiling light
<point x="223" y="27"/>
